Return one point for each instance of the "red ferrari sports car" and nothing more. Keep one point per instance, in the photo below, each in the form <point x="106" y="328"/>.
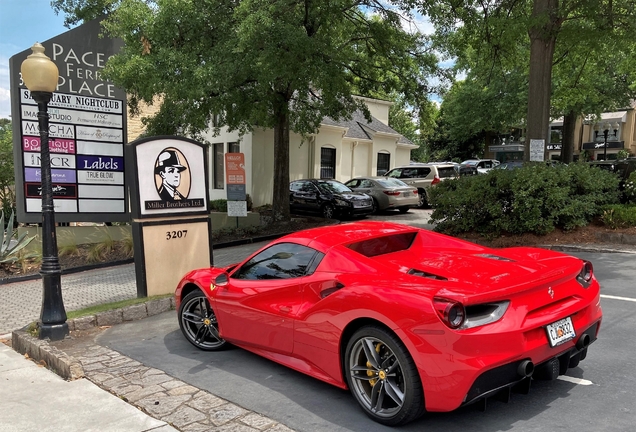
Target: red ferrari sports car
<point x="407" y="319"/>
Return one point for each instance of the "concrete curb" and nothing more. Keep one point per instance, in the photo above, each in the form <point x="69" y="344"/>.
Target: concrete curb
<point x="68" y="367"/>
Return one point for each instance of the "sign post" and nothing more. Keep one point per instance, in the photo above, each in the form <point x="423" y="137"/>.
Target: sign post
<point x="170" y="206"/>
<point x="235" y="181"/>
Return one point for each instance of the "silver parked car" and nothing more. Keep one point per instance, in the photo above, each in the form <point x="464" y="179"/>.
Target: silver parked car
<point x="387" y="193"/>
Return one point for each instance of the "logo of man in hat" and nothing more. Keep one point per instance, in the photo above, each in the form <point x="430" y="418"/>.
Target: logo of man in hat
<point x="169" y="168"/>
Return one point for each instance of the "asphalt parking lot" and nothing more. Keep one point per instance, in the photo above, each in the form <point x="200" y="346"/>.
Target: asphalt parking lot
<point x="595" y="396"/>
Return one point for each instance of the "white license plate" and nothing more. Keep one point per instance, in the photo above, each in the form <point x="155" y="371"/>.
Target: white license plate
<point x="560" y="331"/>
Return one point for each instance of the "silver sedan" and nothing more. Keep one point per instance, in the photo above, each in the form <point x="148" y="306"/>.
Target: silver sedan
<point x="387" y="193"/>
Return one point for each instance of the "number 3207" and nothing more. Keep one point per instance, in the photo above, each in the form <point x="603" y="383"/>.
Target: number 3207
<point x="170" y="235"/>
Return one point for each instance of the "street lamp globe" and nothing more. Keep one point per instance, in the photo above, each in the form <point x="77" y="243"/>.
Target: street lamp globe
<point x="39" y="73"/>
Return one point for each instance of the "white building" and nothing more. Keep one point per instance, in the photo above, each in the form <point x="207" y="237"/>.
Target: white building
<point x="340" y="149"/>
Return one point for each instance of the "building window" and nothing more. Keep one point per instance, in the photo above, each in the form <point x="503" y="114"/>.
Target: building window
<point x="556" y="134"/>
<point x="384" y="163"/>
<point x="327" y="163"/>
<point x="233" y="147"/>
<point x="218" y="163"/>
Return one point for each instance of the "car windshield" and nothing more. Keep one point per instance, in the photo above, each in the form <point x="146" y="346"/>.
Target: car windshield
<point x="397" y="172"/>
<point x="391" y="182"/>
<point x="332" y="187"/>
<point x="470" y="163"/>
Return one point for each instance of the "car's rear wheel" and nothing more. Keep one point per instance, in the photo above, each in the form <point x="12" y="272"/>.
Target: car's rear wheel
<point x="383" y="377"/>
<point x="422" y="202"/>
<point x="328" y="211"/>
<point x="198" y="322"/>
<point x="403" y="209"/>
<point x="376" y="206"/>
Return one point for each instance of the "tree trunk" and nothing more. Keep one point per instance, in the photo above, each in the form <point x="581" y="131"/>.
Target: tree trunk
<point x="567" y="141"/>
<point x="280" y="203"/>
<point x="542" y="42"/>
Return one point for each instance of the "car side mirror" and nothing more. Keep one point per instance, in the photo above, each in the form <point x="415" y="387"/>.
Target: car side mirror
<point x="221" y="280"/>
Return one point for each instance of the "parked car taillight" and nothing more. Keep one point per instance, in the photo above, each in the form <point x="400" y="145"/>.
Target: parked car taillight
<point x="391" y="193"/>
<point x="415" y="192"/>
<point x="435" y="180"/>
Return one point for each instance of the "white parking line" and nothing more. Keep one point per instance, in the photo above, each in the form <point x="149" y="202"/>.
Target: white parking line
<point x="618" y="298"/>
<point x="579" y="381"/>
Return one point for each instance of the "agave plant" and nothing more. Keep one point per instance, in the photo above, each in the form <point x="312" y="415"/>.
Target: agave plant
<point x="10" y="247"/>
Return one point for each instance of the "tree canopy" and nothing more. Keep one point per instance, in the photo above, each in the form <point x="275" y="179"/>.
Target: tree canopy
<point x="572" y="57"/>
<point x="267" y="63"/>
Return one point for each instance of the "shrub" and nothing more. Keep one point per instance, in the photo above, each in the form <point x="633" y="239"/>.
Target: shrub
<point x="629" y="191"/>
<point x="9" y="247"/>
<point x="219" y="205"/>
<point x="619" y="216"/>
<point x="533" y="199"/>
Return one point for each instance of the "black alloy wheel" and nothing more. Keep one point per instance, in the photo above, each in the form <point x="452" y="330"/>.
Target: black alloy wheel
<point x="328" y="211"/>
<point x="383" y="377"/>
<point x="198" y="323"/>
<point x="376" y="207"/>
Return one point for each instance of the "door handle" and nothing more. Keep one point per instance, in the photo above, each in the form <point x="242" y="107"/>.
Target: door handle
<point x="285" y="309"/>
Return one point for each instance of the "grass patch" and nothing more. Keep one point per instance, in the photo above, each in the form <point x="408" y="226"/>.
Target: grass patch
<point x="92" y="310"/>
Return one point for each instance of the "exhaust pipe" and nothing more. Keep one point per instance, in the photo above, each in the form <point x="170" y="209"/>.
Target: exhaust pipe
<point x="583" y="342"/>
<point x="525" y="368"/>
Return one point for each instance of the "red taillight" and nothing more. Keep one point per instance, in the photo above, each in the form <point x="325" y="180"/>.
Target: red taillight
<point x="415" y="192"/>
<point x="435" y="180"/>
<point x="391" y="193"/>
<point x="451" y="312"/>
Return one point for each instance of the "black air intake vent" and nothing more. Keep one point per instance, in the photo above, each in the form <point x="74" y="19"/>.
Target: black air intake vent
<point x="421" y="273"/>
<point x="494" y="257"/>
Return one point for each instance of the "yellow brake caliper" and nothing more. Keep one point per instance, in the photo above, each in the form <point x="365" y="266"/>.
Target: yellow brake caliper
<point x="369" y="365"/>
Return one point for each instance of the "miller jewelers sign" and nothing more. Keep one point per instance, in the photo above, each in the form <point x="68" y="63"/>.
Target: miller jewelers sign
<point x="87" y="132"/>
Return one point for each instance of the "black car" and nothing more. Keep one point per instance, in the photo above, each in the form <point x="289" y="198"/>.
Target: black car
<point x="330" y="198"/>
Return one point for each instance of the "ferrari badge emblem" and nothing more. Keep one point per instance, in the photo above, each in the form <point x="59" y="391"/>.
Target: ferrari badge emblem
<point x="551" y="292"/>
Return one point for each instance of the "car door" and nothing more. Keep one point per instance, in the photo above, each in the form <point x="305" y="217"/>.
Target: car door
<point x="260" y="303"/>
<point x="303" y="196"/>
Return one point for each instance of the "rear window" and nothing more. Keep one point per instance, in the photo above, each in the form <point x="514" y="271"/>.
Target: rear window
<point x="446" y="172"/>
<point x="391" y="182"/>
<point x="384" y="245"/>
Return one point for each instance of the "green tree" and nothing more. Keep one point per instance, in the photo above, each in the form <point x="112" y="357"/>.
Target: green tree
<point x="7" y="175"/>
<point x="271" y="63"/>
<point x="541" y="33"/>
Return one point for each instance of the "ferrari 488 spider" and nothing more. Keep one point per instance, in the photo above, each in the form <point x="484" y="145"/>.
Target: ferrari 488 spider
<point x="407" y="319"/>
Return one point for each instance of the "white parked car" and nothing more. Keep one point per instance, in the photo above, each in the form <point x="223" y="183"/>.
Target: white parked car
<point x="482" y="165"/>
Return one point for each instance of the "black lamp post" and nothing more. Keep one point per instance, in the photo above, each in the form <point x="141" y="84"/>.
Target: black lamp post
<point x="40" y="76"/>
<point x="606" y="129"/>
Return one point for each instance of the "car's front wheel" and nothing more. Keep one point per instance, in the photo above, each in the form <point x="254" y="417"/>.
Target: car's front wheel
<point x="198" y="322"/>
<point x="383" y="377"/>
<point x="328" y="211"/>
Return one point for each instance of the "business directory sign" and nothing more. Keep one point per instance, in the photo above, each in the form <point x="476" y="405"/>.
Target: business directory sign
<point x="87" y="133"/>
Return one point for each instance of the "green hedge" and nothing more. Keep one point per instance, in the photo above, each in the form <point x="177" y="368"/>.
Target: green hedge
<point x="533" y="199"/>
<point x="619" y="216"/>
